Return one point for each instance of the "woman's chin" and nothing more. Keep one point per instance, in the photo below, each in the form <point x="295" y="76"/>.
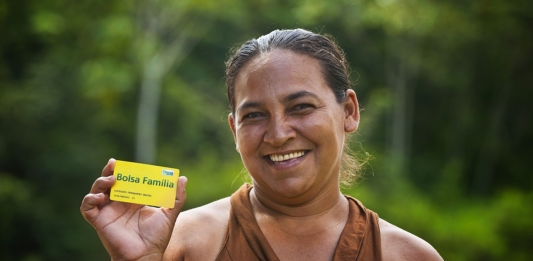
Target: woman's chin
<point x="291" y="188"/>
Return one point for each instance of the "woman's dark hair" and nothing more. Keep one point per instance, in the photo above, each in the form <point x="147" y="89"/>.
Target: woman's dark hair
<point x="334" y="65"/>
<point x="335" y="69"/>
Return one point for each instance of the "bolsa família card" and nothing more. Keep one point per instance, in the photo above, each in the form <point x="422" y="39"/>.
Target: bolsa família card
<point x="144" y="184"/>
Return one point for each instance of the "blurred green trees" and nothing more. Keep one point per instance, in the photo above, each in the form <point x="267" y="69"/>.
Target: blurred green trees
<point x="445" y="88"/>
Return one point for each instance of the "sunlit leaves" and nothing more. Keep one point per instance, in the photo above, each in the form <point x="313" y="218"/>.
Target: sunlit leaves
<point x="47" y="22"/>
<point x="106" y="79"/>
<point x="402" y="16"/>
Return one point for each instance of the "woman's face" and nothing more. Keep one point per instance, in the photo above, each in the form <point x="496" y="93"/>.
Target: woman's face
<point x="288" y="127"/>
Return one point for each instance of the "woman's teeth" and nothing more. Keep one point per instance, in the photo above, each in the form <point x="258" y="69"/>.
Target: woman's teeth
<point x="277" y="158"/>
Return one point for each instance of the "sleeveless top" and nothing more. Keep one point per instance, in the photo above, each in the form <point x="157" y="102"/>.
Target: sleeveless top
<point x="359" y="240"/>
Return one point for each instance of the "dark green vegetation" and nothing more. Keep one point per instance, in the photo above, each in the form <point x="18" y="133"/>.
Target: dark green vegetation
<point x="446" y="88"/>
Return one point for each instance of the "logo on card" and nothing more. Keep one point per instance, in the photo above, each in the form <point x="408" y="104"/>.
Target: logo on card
<point x="167" y="172"/>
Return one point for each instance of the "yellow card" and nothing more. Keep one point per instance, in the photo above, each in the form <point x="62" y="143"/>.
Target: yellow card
<point x="144" y="184"/>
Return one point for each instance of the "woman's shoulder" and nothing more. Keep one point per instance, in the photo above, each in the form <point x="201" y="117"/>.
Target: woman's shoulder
<point x="398" y="244"/>
<point x="198" y="227"/>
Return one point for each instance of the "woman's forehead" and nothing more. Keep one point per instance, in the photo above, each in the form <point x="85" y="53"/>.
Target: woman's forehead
<point x="279" y="59"/>
<point x="278" y="67"/>
<point x="277" y="74"/>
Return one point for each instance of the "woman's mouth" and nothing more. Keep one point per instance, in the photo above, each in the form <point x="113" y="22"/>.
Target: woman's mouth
<point x="283" y="157"/>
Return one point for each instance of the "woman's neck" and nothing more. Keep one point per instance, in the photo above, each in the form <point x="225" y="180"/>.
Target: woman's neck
<point x="315" y="215"/>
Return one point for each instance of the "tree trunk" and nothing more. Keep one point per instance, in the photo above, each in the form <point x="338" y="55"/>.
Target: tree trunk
<point x="400" y="75"/>
<point x="150" y="96"/>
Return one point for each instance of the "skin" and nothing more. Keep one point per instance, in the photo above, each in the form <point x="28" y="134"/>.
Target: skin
<point x="283" y="105"/>
<point x="130" y="231"/>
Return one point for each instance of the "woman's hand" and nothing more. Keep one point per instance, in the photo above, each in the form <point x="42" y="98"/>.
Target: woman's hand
<point x="130" y="231"/>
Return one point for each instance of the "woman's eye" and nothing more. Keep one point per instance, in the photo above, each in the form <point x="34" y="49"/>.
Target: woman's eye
<point x="303" y="107"/>
<point x="251" y="116"/>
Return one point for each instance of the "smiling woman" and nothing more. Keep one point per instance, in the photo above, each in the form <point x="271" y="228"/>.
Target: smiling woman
<point x="292" y="109"/>
<point x="283" y="105"/>
<point x="333" y="67"/>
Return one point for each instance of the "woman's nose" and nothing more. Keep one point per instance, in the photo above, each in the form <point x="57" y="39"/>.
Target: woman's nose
<point x="279" y="131"/>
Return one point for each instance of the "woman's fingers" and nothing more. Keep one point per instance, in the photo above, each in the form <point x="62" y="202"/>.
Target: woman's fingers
<point x="102" y="184"/>
<point x="109" y="168"/>
<point x="89" y="205"/>
<point x="181" y="197"/>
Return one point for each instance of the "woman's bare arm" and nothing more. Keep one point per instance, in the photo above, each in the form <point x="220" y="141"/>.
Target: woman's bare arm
<point x="400" y="245"/>
<point x="199" y="233"/>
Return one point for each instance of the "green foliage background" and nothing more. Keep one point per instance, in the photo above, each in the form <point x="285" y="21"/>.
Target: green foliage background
<point x="445" y="86"/>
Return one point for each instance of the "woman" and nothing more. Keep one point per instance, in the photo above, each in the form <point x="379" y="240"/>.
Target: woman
<point x="291" y="111"/>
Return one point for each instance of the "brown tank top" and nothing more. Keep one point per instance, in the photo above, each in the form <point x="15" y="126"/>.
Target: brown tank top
<point x="359" y="240"/>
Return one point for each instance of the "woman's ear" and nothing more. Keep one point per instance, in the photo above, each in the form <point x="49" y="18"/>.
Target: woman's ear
<point x="231" y="122"/>
<point x="351" y="111"/>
